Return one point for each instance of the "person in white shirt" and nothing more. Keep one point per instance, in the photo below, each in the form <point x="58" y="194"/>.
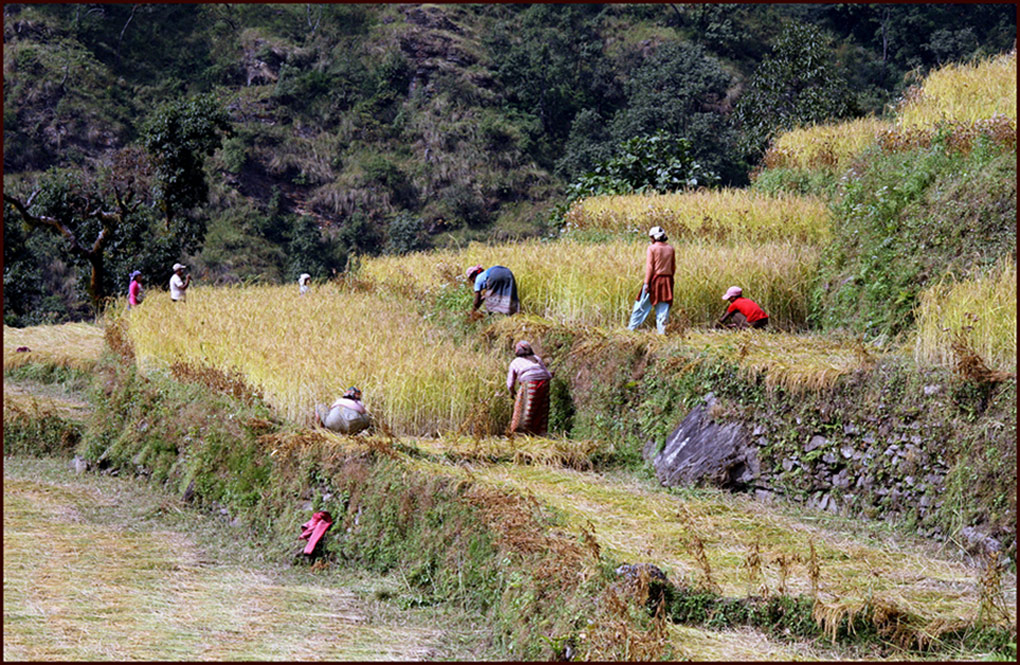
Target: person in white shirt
<point x="178" y="284"/>
<point x="347" y="415"/>
<point x="303" y="282"/>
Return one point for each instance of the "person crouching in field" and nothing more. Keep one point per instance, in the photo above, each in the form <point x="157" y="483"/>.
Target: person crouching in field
<point x="303" y="282"/>
<point x="347" y="415"/>
<point x="135" y="289"/>
<point x="745" y="312"/>
<point x="497" y="287"/>
<point x="657" y="290"/>
<point x="531" y="406"/>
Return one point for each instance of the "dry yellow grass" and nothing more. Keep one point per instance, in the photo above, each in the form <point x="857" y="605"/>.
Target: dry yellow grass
<point x="971" y="99"/>
<point x="982" y="309"/>
<point x="721" y="215"/>
<point x="964" y="93"/>
<point x="71" y="345"/>
<point x="826" y="147"/>
<point x="303" y="350"/>
<point x="793" y="362"/>
<point x="19" y="398"/>
<point x="596" y="284"/>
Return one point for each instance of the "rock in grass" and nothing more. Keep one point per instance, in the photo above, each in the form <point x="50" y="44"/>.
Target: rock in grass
<point x="701" y="451"/>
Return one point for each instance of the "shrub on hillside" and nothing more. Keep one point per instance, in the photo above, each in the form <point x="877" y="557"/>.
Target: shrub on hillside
<point x="906" y="220"/>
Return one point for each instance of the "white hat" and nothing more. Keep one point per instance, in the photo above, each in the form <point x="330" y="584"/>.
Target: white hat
<point x="733" y="291"/>
<point x="304" y="277"/>
<point x="179" y="266"/>
<point x="656" y="232"/>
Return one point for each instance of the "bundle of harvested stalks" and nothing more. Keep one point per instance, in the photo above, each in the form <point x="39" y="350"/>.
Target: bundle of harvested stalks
<point x="970" y="366"/>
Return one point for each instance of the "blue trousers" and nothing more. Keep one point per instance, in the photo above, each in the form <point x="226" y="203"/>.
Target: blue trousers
<point x="643" y="307"/>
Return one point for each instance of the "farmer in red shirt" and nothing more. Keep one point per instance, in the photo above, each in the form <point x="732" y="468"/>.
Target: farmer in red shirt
<point x="745" y="312"/>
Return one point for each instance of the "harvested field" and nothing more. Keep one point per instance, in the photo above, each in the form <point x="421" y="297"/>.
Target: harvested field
<point x="96" y="569"/>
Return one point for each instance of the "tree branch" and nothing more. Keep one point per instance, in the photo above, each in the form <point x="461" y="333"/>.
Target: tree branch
<point x="45" y="221"/>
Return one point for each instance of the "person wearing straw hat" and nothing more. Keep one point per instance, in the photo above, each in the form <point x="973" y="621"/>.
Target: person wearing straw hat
<point x="346" y="415"/>
<point x="303" y="282"/>
<point x="531" y="403"/>
<point x="745" y="312"/>
<point x="657" y="289"/>
<point x="179" y="285"/>
<point x="135" y="289"/>
<point x="497" y="287"/>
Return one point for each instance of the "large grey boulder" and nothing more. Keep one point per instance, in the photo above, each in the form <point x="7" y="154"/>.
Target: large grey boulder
<point x="701" y="451"/>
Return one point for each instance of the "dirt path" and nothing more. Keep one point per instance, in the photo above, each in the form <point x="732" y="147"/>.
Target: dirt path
<point x="102" y="568"/>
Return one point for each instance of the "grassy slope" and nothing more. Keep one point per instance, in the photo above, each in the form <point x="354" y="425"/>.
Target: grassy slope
<point x="98" y="567"/>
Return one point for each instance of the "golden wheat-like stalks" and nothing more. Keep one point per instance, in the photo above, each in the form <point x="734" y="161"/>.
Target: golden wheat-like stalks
<point x="71" y="345"/>
<point x="982" y="310"/>
<point x="826" y="147"/>
<point x="963" y="93"/>
<point x="302" y="350"/>
<point x="722" y="216"/>
<point x="596" y="284"/>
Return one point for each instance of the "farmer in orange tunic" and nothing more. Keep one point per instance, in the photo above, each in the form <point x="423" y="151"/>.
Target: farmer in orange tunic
<point x="657" y="290"/>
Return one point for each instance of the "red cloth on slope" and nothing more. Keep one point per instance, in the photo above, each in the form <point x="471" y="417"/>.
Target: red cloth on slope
<point x="315" y="528"/>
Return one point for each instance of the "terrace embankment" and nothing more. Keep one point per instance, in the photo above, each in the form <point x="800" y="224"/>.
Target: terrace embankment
<point x="835" y="425"/>
<point x="497" y="527"/>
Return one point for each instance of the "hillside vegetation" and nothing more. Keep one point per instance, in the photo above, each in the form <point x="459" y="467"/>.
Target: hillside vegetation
<point x="366" y="129"/>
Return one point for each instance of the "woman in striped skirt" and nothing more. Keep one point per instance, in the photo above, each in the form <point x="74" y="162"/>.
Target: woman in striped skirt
<point x="531" y="406"/>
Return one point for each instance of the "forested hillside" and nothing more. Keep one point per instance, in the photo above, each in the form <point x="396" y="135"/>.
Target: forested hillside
<point x="256" y="142"/>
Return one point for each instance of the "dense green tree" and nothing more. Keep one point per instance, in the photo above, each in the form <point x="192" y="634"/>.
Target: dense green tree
<point x="405" y="233"/>
<point x="798" y="83"/>
<point x="661" y="163"/>
<point x="679" y="89"/>
<point x="101" y="214"/>
<point x="550" y="62"/>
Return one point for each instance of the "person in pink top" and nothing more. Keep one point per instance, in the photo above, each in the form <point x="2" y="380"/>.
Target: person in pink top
<point x="745" y="312"/>
<point x="135" y="289"/>
<point x="531" y="403"/>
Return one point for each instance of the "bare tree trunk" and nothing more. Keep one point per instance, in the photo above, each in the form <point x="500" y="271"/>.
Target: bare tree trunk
<point x="120" y="38"/>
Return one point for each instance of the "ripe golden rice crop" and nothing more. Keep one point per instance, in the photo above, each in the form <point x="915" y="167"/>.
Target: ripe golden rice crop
<point x="722" y="215"/>
<point x="794" y="362"/>
<point x="302" y="350"/>
<point x="72" y="345"/>
<point x="826" y="147"/>
<point x="963" y="93"/>
<point x="596" y="284"/>
<point x="982" y="309"/>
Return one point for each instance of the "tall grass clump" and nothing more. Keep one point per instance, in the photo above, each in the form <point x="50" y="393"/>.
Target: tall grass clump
<point x="596" y="284"/>
<point x="725" y="215"/>
<point x="964" y="92"/>
<point x="824" y="147"/>
<point x="298" y="351"/>
<point x="982" y="310"/>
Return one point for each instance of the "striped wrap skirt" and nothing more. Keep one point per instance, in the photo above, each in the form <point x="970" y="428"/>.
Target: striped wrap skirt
<point x="531" y="408"/>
